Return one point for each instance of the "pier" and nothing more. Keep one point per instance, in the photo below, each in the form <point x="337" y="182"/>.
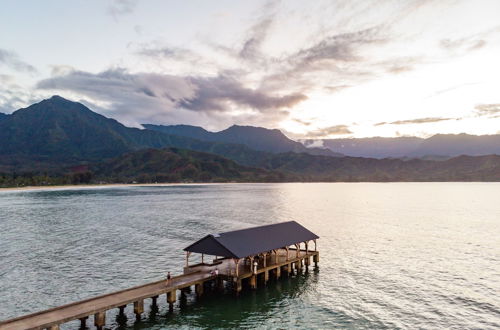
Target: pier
<point x="248" y="257"/>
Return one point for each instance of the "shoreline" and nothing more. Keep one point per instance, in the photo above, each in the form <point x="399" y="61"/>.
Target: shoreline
<point x="104" y="186"/>
<point x="124" y="185"/>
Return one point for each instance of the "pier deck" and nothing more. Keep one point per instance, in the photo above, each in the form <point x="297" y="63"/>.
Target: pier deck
<point x="195" y="275"/>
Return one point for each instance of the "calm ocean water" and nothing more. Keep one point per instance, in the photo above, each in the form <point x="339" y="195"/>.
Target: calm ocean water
<point x="393" y="255"/>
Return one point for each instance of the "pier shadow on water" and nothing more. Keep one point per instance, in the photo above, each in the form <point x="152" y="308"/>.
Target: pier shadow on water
<point x="251" y="309"/>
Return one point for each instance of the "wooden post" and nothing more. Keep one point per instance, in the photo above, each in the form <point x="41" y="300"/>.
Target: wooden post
<point x="316" y="260"/>
<point x="187" y="258"/>
<point x="315" y="247"/>
<point x="100" y="320"/>
<point x="236" y="262"/>
<point x="306" y="262"/>
<point x="122" y="310"/>
<point x="278" y="272"/>
<point x="138" y="308"/>
<point x="253" y="282"/>
<point x="237" y="286"/>
<point x="297" y="252"/>
<point x="251" y="263"/>
<point x="286" y="269"/>
<point x="266" y="276"/>
<point x="287" y="248"/>
<point x="199" y="289"/>
<point x="202" y="258"/>
<point x="307" y="247"/>
<point x="83" y="322"/>
<point x="153" y="302"/>
<point x="171" y="296"/>
<point x="265" y="258"/>
<point x="219" y="282"/>
<point x="54" y="327"/>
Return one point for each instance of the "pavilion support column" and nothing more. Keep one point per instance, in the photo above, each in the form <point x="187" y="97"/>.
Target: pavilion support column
<point x="138" y="308"/>
<point x="265" y="259"/>
<point x="315" y="246"/>
<point x="202" y="258"/>
<point x="297" y="246"/>
<point x="307" y="247"/>
<point x="100" y="320"/>
<point x="287" y="249"/>
<point x="83" y="322"/>
<point x="171" y="297"/>
<point x="237" y="263"/>
<point x="251" y="264"/>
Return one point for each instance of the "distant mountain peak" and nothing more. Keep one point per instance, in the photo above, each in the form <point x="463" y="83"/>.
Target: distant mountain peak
<point x="258" y="138"/>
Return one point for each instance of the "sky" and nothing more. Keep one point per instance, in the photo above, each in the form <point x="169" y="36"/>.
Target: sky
<point x="314" y="69"/>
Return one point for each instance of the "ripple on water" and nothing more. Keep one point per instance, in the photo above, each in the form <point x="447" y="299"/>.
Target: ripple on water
<point x="392" y="255"/>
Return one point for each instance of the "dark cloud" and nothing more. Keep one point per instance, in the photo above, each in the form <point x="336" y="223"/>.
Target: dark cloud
<point x="12" y="61"/>
<point x="147" y="97"/>
<point x="213" y="94"/>
<point x="328" y="131"/>
<point x="121" y="7"/>
<point x="414" y="121"/>
<point x="491" y="109"/>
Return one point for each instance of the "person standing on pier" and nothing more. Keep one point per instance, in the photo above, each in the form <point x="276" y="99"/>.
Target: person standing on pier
<point x="168" y="278"/>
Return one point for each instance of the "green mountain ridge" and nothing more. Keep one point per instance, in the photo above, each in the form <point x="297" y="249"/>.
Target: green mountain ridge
<point x="257" y="138"/>
<point x="59" y="141"/>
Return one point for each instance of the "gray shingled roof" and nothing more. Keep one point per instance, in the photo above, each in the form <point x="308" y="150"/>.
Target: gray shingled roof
<point x="252" y="241"/>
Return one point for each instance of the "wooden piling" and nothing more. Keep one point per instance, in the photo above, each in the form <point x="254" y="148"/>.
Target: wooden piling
<point x="54" y="327"/>
<point x="171" y="297"/>
<point x="253" y="282"/>
<point x="316" y="259"/>
<point x="266" y="276"/>
<point x="277" y="272"/>
<point x="154" y="303"/>
<point x="199" y="289"/>
<point x="237" y="286"/>
<point x="99" y="320"/>
<point x="83" y="322"/>
<point x="138" y="308"/>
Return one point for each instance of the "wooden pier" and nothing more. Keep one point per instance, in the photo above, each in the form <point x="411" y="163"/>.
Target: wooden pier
<point x="218" y="274"/>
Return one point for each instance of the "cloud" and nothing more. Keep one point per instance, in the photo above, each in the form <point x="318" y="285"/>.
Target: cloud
<point x="491" y="109"/>
<point x="11" y="60"/>
<point x="14" y="96"/>
<point x="121" y="7"/>
<point x="414" y="121"/>
<point x="151" y="97"/>
<point x="328" y="131"/>
<point x="465" y="44"/>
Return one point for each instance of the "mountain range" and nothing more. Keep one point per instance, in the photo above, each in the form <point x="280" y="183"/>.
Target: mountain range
<point x="60" y="141"/>
<point x="257" y="138"/>
<point x="439" y="146"/>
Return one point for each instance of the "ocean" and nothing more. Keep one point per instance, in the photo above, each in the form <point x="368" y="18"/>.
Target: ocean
<point x="393" y="255"/>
